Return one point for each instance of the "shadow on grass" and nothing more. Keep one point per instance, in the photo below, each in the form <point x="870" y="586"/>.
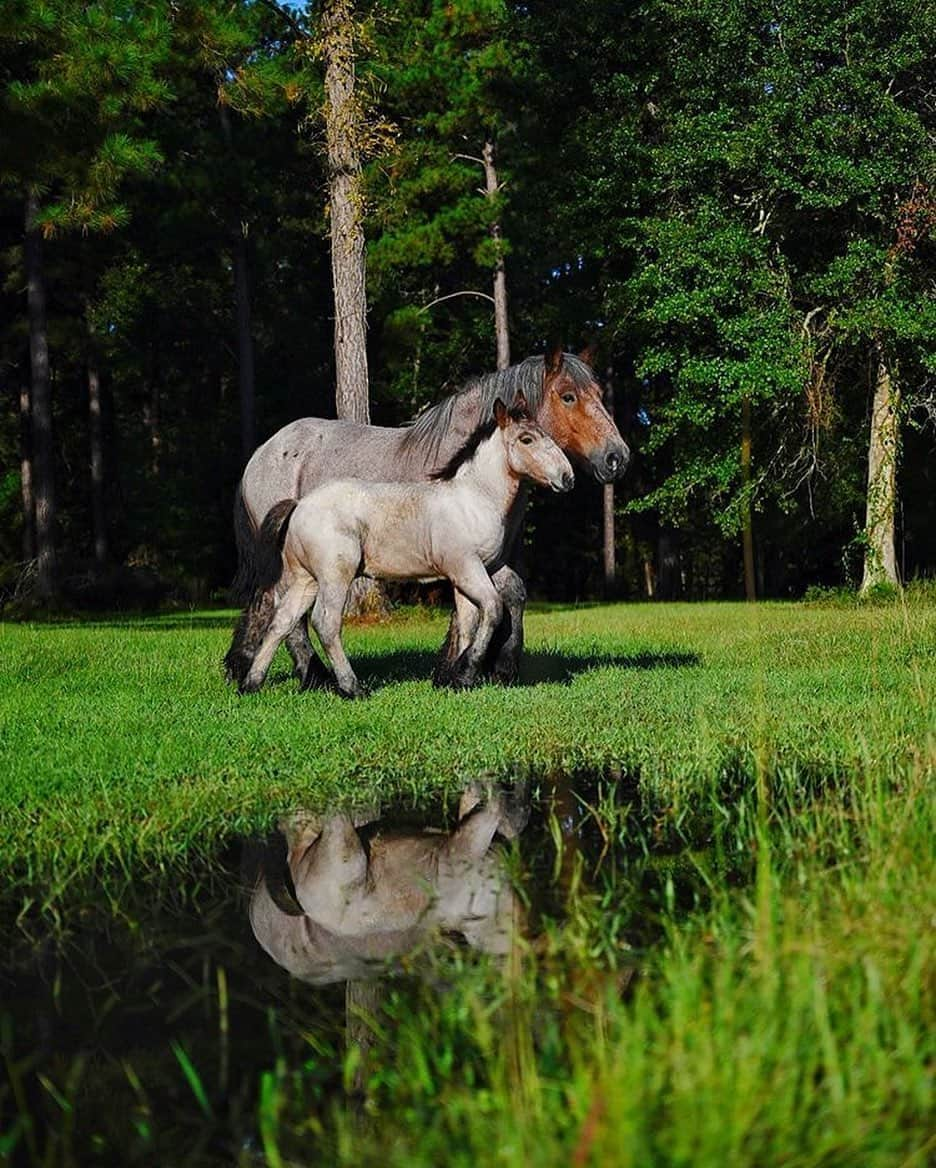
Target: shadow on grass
<point x="378" y="669"/>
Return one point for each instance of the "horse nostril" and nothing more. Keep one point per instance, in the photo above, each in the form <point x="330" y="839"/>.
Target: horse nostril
<point x="613" y="461"/>
<point x="568" y="481"/>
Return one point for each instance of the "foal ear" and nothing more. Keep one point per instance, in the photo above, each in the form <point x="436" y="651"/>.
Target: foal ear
<point x="553" y="358"/>
<point x="500" y="414"/>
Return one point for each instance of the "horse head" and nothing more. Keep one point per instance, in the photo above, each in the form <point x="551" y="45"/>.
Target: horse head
<point x="531" y="453"/>
<point x="573" y="413"/>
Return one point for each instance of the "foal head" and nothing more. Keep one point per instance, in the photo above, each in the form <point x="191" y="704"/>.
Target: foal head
<point x="531" y="453"/>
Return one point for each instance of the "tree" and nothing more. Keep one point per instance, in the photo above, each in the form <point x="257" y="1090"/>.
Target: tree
<point x="81" y="75"/>
<point x="344" y="132"/>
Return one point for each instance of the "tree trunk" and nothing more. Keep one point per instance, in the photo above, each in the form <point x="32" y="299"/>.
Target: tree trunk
<point x="26" y="475"/>
<point x="880" y="562"/>
<point x="501" y="327"/>
<point x="607" y="497"/>
<point x="343" y="135"/>
<point x="750" y="587"/>
<point x="96" y="439"/>
<point x="43" y="465"/>
<point x="240" y="260"/>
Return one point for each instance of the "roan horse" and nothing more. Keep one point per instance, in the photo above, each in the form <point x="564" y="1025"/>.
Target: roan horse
<point x="353" y="908"/>
<point x="564" y="399"/>
<point x="453" y="528"/>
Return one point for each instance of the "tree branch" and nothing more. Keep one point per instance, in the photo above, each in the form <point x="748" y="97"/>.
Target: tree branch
<point x="466" y="292"/>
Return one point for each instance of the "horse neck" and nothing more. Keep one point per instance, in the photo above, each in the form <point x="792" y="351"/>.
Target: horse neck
<point x="432" y="451"/>
<point x="489" y="473"/>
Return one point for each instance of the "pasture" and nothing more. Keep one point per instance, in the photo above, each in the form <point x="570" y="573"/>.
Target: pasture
<point x="731" y="862"/>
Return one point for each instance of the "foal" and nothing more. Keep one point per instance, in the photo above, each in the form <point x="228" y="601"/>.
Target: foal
<point x="453" y="528"/>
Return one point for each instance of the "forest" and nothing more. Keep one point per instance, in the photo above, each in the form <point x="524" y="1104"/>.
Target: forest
<point x="730" y="204"/>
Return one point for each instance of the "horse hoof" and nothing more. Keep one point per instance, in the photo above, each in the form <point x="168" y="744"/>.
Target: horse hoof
<point x="249" y="687"/>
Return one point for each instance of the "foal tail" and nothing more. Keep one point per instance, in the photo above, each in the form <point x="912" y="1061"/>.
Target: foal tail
<point x="265" y="567"/>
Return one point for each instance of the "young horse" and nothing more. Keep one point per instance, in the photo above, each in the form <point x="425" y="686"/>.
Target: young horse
<point x="564" y="399"/>
<point x="453" y="528"/>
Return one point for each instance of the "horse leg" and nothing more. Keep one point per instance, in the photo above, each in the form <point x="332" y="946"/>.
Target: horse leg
<point x="289" y="607"/>
<point x="330" y="871"/>
<point x="472" y="579"/>
<point x="502" y="662"/>
<point x="307" y="666"/>
<point x="327" y="613"/>
<point x="462" y="629"/>
<point x="503" y="657"/>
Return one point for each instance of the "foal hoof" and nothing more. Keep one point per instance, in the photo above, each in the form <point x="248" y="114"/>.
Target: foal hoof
<point x="249" y="687"/>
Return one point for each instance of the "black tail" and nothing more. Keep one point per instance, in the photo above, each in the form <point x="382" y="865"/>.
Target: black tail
<point x="265" y="569"/>
<point x="245" y="536"/>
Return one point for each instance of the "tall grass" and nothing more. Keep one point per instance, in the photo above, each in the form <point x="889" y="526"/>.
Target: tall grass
<point x="788" y="1021"/>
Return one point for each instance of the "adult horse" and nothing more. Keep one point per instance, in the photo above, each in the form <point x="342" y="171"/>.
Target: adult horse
<point x="564" y="399"/>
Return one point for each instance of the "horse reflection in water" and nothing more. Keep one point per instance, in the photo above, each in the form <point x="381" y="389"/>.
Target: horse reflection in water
<point x="356" y="909"/>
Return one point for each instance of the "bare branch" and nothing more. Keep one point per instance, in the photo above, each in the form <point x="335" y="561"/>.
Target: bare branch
<point x="466" y="292"/>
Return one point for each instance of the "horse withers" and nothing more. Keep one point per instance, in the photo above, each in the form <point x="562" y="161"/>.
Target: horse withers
<point x="565" y="401"/>
<point x="454" y="528"/>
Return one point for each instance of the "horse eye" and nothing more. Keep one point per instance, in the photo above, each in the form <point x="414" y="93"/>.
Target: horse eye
<point x="569" y="399"/>
<point x="527" y="439"/>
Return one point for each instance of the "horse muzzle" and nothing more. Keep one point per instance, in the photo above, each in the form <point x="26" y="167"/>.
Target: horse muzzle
<point x="564" y="482"/>
<point x="611" y="463"/>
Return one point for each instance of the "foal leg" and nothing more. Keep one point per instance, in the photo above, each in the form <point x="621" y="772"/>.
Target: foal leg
<point x="472" y="579"/>
<point x="502" y="662"/>
<point x="289" y="607"/>
<point x="327" y="613"/>
<point x="462" y="628"/>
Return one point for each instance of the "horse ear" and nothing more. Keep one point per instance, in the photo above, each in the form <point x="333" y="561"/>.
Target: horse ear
<point x="553" y="358"/>
<point x="521" y="408"/>
<point x="588" y="354"/>
<point x="500" y="414"/>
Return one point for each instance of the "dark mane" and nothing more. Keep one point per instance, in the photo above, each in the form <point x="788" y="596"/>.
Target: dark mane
<point x="466" y="451"/>
<point x="434" y="424"/>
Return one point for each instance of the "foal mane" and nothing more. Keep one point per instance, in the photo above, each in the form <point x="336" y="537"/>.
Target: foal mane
<point x="427" y="433"/>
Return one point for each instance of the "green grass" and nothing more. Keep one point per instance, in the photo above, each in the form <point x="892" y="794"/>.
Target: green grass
<point x="120" y="746"/>
<point x="736" y="962"/>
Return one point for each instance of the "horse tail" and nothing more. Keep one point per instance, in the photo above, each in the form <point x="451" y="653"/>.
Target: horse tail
<point x="265" y="567"/>
<point x="245" y="536"/>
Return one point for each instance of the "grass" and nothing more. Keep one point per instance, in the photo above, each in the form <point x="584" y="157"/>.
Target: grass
<point x="733" y="964"/>
<point x="121" y="748"/>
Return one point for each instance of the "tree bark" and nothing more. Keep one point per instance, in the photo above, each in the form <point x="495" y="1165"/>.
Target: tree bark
<point x="41" y="394"/>
<point x="880" y="561"/>
<point x="240" y="261"/>
<point x="26" y="475"/>
<point x="501" y="327"/>
<point x="343" y="136"/>
<point x="96" y="441"/>
<point x="750" y="586"/>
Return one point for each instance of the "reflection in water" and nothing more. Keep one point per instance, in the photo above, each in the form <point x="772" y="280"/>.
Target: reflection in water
<point x="351" y="903"/>
<point x="162" y="1033"/>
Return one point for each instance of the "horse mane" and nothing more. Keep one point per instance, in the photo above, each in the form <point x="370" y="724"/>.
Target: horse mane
<point x="466" y="451"/>
<point x="429" y="430"/>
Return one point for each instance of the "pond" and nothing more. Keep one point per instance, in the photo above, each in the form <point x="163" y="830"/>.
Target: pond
<point x="227" y="1015"/>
